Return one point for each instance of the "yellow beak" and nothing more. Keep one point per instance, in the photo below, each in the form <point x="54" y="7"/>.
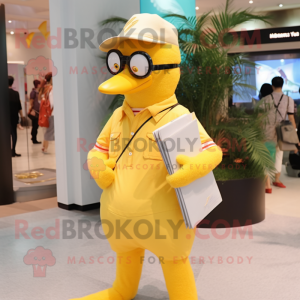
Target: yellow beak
<point x="124" y="83"/>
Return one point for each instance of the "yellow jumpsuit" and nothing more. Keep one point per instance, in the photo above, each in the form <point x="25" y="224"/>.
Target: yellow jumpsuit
<point x="142" y="201"/>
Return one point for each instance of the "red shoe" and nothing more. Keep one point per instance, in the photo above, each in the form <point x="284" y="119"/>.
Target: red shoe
<point x="279" y="184"/>
<point x="268" y="191"/>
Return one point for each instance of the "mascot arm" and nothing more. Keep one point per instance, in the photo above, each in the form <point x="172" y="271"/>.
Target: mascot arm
<point x="99" y="163"/>
<point x="199" y="165"/>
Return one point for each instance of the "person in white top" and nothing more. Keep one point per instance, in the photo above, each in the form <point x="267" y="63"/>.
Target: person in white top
<point x="281" y="107"/>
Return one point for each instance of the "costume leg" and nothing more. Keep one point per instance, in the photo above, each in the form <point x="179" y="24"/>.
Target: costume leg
<point x="125" y="287"/>
<point x="180" y="280"/>
<point x="172" y="243"/>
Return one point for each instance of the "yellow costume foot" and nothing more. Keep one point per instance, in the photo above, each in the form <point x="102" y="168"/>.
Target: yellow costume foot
<point x="109" y="294"/>
<point x="125" y="287"/>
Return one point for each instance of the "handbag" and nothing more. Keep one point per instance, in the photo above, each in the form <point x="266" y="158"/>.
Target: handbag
<point x="45" y="113"/>
<point x="25" y="122"/>
<point x="287" y="137"/>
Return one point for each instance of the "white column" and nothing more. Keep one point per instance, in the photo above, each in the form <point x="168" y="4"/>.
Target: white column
<point x="79" y="107"/>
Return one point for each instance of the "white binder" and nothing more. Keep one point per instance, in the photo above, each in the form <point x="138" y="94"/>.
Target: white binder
<point x="198" y="199"/>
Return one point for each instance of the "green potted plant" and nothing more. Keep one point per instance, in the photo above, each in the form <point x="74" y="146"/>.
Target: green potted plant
<point x="206" y="84"/>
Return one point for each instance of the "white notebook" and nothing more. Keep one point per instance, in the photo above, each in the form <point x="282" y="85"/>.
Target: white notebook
<point x="198" y="199"/>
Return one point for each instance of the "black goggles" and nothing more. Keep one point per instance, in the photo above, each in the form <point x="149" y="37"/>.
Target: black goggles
<point x="140" y="63"/>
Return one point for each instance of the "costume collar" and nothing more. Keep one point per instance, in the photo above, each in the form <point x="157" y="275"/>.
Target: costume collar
<point x="154" y="109"/>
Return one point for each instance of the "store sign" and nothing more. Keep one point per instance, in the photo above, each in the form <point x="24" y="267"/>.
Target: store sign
<point x="284" y="35"/>
<point x="271" y="35"/>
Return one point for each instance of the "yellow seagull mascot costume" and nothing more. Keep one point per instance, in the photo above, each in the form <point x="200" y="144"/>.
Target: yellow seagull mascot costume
<point x="138" y="203"/>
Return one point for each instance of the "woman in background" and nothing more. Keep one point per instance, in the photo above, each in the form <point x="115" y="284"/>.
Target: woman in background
<point x="46" y="97"/>
<point x="266" y="90"/>
<point x="34" y="110"/>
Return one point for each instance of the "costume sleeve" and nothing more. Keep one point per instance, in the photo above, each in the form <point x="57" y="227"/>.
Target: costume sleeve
<point x="206" y="140"/>
<point x="291" y="107"/>
<point x="102" y="144"/>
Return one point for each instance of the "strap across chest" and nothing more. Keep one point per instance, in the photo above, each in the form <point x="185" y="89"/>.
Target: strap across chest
<point x="170" y="108"/>
<point x="277" y="106"/>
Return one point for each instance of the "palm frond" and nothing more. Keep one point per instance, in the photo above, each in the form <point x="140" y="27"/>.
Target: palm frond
<point x="227" y="19"/>
<point x="202" y="20"/>
<point x="114" y="21"/>
<point x="181" y="20"/>
<point x="105" y="120"/>
<point x="116" y="102"/>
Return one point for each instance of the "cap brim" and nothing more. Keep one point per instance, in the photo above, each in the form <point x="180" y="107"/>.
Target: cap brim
<point x="114" y="42"/>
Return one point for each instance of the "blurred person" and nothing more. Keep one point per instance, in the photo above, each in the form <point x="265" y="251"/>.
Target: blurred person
<point x="265" y="90"/>
<point x="46" y="96"/>
<point x="294" y="156"/>
<point x="279" y="106"/>
<point x="20" y="126"/>
<point x="297" y="151"/>
<point x="298" y="132"/>
<point x="297" y="104"/>
<point x="15" y="110"/>
<point x="34" y="110"/>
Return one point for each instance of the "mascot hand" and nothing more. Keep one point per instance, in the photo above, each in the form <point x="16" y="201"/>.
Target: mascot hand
<point x="101" y="170"/>
<point x="195" y="167"/>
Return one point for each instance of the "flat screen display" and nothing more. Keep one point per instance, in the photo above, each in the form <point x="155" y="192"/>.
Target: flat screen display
<point x="266" y="68"/>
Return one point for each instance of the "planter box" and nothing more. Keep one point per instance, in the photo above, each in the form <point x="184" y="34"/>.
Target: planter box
<point x="243" y="204"/>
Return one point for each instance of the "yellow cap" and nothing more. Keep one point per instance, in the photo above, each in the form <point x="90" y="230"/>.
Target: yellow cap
<point x="144" y="27"/>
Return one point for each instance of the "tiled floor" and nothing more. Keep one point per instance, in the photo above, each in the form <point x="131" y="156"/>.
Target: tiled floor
<point x="32" y="152"/>
<point x="273" y="272"/>
<point x="25" y="207"/>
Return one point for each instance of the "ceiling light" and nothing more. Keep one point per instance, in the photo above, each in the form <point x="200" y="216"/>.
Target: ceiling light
<point x="9" y="21"/>
<point x="250" y="1"/>
<point x="197" y="7"/>
<point x="282" y="60"/>
<point x="12" y="32"/>
<point x="280" y="5"/>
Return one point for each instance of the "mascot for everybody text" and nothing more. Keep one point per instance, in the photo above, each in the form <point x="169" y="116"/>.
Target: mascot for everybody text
<point x="138" y="193"/>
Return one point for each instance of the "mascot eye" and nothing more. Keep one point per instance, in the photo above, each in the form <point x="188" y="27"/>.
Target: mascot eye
<point x="45" y="68"/>
<point x="135" y="69"/>
<point x="36" y="68"/>
<point x="114" y="62"/>
<point x="139" y="65"/>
